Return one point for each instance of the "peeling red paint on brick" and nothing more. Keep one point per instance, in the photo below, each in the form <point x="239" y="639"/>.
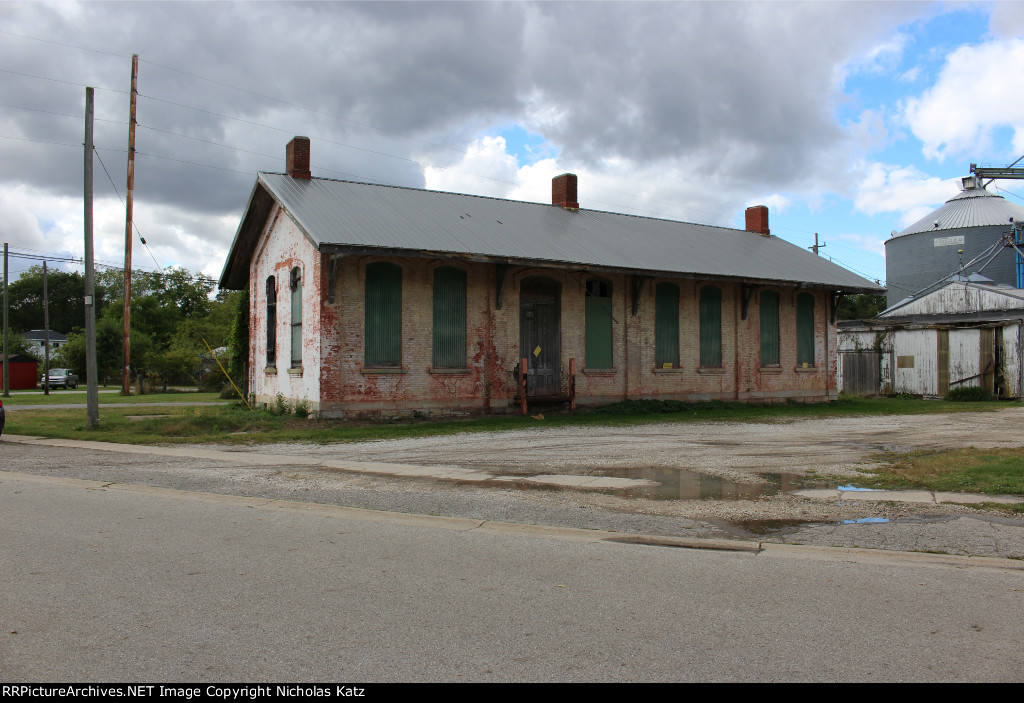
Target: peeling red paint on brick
<point x="334" y="378"/>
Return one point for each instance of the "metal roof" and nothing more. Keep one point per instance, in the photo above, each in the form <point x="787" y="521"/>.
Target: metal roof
<point x="344" y="215"/>
<point x="972" y="207"/>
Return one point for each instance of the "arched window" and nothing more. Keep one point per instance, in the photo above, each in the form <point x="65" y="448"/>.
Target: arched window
<point x="805" y="329"/>
<point x="271" y="321"/>
<point x="449" y="318"/>
<point x="598" y="324"/>
<point x="383" y="315"/>
<point x="711" y="327"/>
<point x="769" y="308"/>
<point x="296" y="285"/>
<point x="666" y="326"/>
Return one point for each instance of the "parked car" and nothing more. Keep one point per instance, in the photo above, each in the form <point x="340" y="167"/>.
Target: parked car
<point x="61" y="378"/>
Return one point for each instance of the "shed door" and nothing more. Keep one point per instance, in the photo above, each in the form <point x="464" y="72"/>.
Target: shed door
<point x="987" y="359"/>
<point x="942" y="360"/>
<point x="540" y="317"/>
<point x="861" y="372"/>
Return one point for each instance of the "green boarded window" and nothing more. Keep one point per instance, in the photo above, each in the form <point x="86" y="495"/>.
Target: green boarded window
<point x="769" y="328"/>
<point x="296" y="285"/>
<point x="383" y="314"/>
<point x="599" y="324"/>
<point x="271" y="321"/>
<point x="449" y="318"/>
<point x="805" y="329"/>
<point x="666" y="325"/>
<point x="711" y="326"/>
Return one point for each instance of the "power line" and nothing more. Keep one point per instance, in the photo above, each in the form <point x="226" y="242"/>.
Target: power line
<point x="346" y="145"/>
<point x="152" y="273"/>
<point x="57" y="43"/>
<point x="461" y="150"/>
<point x="304" y="107"/>
<point x="134" y="226"/>
<point x="61" y="114"/>
<point x="58" y="80"/>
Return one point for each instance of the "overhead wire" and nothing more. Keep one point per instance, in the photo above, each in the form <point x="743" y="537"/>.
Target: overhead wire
<point x="134" y="225"/>
<point x="335" y="142"/>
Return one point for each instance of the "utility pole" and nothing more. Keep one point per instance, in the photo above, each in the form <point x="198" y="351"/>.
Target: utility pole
<point x="816" y="246"/>
<point x="92" y="382"/>
<point x="7" y="370"/>
<point x="46" y="335"/>
<point x="126" y="364"/>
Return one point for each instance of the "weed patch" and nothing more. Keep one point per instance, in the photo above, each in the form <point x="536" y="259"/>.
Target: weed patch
<point x="969" y="470"/>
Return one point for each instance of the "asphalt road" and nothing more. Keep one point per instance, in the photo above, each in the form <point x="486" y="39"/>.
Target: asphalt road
<point x="126" y="583"/>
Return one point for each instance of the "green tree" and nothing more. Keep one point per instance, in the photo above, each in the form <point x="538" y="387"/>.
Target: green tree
<point x="171" y="314"/>
<point x="17" y="344"/>
<point x="238" y="344"/>
<point x="66" y="295"/>
<point x="861" y="307"/>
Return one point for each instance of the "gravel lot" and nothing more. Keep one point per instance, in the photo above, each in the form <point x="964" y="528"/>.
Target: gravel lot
<point x="743" y="470"/>
<point x="756" y="462"/>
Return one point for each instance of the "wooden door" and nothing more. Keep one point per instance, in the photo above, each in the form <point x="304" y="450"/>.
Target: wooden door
<point x="540" y="318"/>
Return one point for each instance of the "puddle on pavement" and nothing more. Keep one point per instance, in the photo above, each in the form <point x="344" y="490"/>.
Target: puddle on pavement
<point x="770" y="527"/>
<point x="864" y="520"/>
<point x="680" y="484"/>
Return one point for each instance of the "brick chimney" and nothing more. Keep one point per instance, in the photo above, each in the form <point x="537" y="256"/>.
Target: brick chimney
<point x="563" y="191"/>
<point x="757" y="220"/>
<point x="296" y="159"/>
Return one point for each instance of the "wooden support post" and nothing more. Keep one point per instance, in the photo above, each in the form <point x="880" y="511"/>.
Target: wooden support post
<point x="572" y="384"/>
<point x="524" y="367"/>
<point x="128" y="224"/>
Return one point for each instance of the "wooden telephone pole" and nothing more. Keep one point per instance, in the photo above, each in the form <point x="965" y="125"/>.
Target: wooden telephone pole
<point x="126" y="364"/>
<point x="92" y="388"/>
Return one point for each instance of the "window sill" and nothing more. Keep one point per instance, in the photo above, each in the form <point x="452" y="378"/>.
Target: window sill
<point x="449" y="372"/>
<point x="295" y="371"/>
<point x="600" y="372"/>
<point x="374" y="370"/>
<point x="270" y="371"/>
<point x="771" y="369"/>
<point x="660" y="369"/>
<point x="712" y="370"/>
<point x="806" y="369"/>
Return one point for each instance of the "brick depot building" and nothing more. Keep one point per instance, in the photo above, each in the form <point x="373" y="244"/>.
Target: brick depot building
<point x="378" y="299"/>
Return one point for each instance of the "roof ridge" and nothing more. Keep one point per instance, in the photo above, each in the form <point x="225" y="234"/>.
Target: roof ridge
<point x="506" y="200"/>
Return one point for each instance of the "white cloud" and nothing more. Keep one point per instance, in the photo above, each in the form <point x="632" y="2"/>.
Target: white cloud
<point x="902" y="189"/>
<point x="485" y="169"/>
<point x="776" y="202"/>
<point x="976" y="93"/>
<point x="880" y="58"/>
<point x="910" y="75"/>
<point x="863" y="242"/>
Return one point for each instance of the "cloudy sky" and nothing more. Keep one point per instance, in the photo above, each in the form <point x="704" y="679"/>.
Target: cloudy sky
<point x="847" y="119"/>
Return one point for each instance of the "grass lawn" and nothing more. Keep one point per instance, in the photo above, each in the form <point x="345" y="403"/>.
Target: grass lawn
<point x="78" y="396"/>
<point x="236" y="424"/>
<point x="968" y="470"/>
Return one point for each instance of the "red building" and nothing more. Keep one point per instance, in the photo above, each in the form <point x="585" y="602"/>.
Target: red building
<point x="24" y="372"/>
<point x="378" y="299"/>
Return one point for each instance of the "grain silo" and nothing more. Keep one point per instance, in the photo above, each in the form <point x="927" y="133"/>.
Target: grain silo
<point x="929" y="250"/>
